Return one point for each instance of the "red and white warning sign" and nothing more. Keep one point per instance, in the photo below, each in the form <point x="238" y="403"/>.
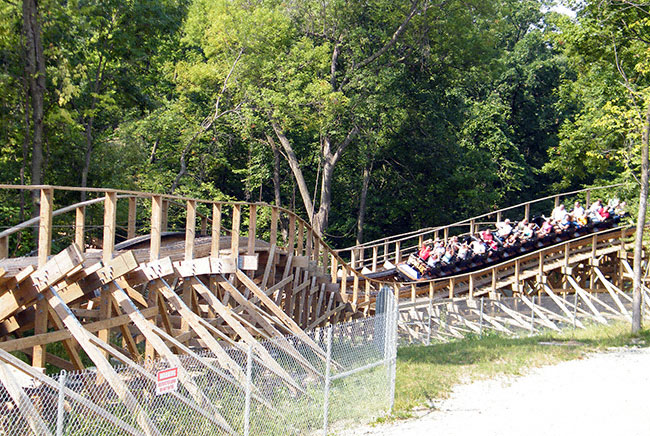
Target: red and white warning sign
<point x="166" y="381"/>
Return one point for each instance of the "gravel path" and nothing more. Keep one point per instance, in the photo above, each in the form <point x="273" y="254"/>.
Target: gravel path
<point x="603" y="394"/>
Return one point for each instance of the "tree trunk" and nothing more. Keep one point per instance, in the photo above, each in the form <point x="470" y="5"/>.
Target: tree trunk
<point x="87" y="155"/>
<point x="362" y="202"/>
<point x="321" y="219"/>
<point x="35" y="73"/>
<point x="640" y="224"/>
<point x="292" y="159"/>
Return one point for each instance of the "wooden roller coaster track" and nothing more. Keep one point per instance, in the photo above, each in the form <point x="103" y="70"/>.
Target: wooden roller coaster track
<point x="202" y="272"/>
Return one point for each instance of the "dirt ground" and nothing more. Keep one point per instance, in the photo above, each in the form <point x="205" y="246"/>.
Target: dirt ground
<point x="603" y="394"/>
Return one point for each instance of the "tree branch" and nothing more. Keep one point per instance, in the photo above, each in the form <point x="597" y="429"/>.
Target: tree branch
<point x="206" y="124"/>
<point x="393" y="39"/>
<point x="348" y="139"/>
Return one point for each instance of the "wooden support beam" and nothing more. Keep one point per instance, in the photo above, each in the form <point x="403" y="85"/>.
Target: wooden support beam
<point x="224" y="360"/>
<point x="290" y="323"/>
<point x="146" y="329"/>
<point x="83" y="337"/>
<point x="225" y="313"/>
<point x="164" y="215"/>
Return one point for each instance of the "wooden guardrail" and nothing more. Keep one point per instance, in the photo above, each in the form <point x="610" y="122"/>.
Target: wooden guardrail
<point x="396" y="248"/>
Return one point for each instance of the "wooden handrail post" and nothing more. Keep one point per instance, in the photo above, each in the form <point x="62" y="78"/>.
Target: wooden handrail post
<point x="273" y="240"/>
<point x="45" y="225"/>
<point x="79" y="227"/>
<point x="252" y="228"/>
<point x="472" y="227"/>
<point x="517" y="288"/>
<point x="110" y="214"/>
<point x="301" y="235"/>
<point x="588" y="199"/>
<point x="386" y="251"/>
<point x="374" y="258"/>
<point x="451" y="288"/>
<point x="353" y="258"/>
<point x="190" y="235"/>
<point x="190" y="229"/>
<point x="110" y="221"/>
<point x="527" y="212"/>
<point x="44" y="247"/>
<point x="334" y="268"/>
<point x="204" y="225"/>
<point x="398" y="252"/>
<point x="292" y="234"/>
<point x="156" y="227"/>
<point x="4" y="247"/>
<point x="557" y="200"/>
<point x="165" y="215"/>
<point x="234" y="234"/>
<point x="446" y="235"/>
<point x="216" y="230"/>
<point x="499" y="216"/>
<point x="471" y="286"/>
<point x="130" y="227"/>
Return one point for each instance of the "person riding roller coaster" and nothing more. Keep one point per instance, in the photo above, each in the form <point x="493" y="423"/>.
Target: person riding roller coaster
<point x="436" y="259"/>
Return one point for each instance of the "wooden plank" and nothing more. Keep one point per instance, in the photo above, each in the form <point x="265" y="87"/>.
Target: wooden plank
<point x="45" y="225"/>
<point x="30" y="286"/>
<point x="292" y="234"/>
<point x="301" y="235"/>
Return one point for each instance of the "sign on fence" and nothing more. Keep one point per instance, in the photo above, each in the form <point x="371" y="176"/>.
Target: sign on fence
<point x="166" y="381"/>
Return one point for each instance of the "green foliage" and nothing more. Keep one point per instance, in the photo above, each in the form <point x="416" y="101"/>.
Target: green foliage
<point x="476" y="105"/>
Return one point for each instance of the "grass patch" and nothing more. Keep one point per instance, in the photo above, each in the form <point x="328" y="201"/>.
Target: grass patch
<point x="425" y="373"/>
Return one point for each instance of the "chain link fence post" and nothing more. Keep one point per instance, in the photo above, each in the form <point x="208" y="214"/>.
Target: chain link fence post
<point x="430" y="311"/>
<point x="328" y="366"/>
<point x="60" y="404"/>
<point x="532" y="317"/>
<point x="392" y="317"/>
<point x="480" y="319"/>
<point x="249" y="389"/>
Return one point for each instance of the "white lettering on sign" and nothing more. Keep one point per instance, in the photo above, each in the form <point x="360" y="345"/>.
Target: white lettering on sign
<point x="166" y="381"/>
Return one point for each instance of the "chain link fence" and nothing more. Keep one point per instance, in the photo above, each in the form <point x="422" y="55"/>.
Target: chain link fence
<point x="427" y="321"/>
<point x="344" y="376"/>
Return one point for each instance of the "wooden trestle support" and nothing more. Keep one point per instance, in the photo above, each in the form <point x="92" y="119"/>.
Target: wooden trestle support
<point x="259" y="272"/>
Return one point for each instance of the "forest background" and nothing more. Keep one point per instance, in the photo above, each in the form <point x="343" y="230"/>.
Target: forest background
<point x="368" y="118"/>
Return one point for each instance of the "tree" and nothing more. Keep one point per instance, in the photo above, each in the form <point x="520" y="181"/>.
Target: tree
<point x="610" y="50"/>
